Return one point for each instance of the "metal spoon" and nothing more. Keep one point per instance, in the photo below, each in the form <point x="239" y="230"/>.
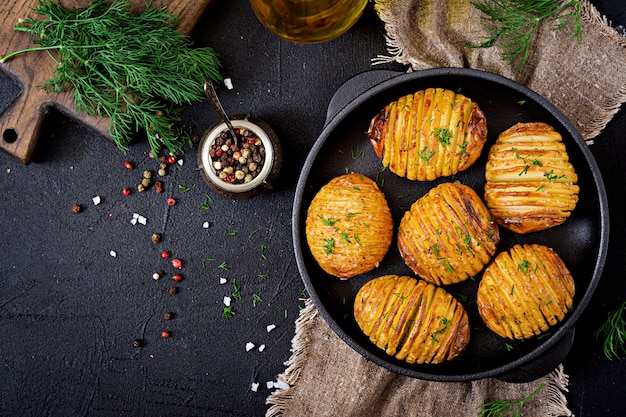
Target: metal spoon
<point x="210" y="93"/>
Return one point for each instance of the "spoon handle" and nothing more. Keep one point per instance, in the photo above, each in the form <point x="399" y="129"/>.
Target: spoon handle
<point x="210" y="93"/>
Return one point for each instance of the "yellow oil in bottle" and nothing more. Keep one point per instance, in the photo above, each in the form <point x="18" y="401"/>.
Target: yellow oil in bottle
<point x="308" y="21"/>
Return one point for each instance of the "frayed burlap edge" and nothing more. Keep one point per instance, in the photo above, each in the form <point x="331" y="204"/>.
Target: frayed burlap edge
<point x="557" y="381"/>
<point x="611" y="103"/>
<point x="280" y="397"/>
<point x="557" y="386"/>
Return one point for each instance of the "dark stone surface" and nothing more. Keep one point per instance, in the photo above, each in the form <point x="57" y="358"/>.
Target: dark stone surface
<point x="70" y="312"/>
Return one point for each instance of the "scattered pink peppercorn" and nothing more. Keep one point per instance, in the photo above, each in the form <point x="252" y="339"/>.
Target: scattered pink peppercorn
<point x="126" y="191"/>
<point x="177" y="277"/>
<point x="128" y="165"/>
<point x="165" y="334"/>
<point x="165" y="254"/>
<point x="177" y="263"/>
<point x="171" y="160"/>
<point x="171" y="201"/>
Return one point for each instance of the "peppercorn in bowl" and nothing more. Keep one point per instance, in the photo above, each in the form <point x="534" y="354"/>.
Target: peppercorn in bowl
<point x="241" y="168"/>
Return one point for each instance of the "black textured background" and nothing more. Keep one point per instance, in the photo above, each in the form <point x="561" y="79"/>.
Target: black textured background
<point x="69" y="311"/>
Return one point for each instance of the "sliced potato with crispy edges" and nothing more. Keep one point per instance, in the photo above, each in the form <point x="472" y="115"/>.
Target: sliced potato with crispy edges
<point x="448" y="235"/>
<point x="531" y="185"/>
<point x="349" y="226"/>
<point x="411" y="319"/>
<point x="429" y="134"/>
<point x="525" y="291"/>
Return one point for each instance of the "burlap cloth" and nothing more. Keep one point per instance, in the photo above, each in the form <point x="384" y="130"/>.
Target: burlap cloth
<point x="585" y="80"/>
<point x="328" y="378"/>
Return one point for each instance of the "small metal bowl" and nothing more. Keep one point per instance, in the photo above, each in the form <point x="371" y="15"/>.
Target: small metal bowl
<point x="263" y="181"/>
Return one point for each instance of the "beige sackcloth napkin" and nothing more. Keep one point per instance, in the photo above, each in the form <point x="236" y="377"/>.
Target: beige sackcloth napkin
<point x="586" y="81"/>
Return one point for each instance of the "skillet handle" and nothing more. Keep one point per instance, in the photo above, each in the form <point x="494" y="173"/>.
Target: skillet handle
<point x="354" y="87"/>
<point x="542" y="364"/>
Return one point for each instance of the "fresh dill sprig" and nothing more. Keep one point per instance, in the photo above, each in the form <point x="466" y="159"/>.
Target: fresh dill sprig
<point x="504" y="408"/>
<point x="513" y="24"/>
<point x="131" y="68"/>
<point x="613" y="330"/>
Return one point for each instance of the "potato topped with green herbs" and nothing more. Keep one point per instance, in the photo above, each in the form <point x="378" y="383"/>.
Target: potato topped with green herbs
<point x="531" y="185"/>
<point x="525" y="291"/>
<point x="448" y="235"/>
<point x="412" y="320"/>
<point x="429" y="134"/>
<point x="349" y="226"/>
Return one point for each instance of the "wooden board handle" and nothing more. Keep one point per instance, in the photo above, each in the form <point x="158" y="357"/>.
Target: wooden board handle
<point x="20" y="123"/>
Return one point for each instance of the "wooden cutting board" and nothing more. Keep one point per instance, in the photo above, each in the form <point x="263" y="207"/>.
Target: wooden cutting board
<point x="20" y="123"/>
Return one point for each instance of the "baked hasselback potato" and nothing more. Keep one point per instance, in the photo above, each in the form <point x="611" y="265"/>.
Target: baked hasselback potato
<point x="525" y="291"/>
<point x="531" y="185"/>
<point x="429" y="134"/>
<point x="349" y="226"/>
<point x="411" y="319"/>
<point x="448" y="235"/>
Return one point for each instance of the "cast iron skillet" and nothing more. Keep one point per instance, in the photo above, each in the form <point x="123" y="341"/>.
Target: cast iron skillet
<point x="343" y="146"/>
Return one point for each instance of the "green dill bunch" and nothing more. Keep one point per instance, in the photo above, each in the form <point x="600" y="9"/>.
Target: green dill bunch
<point x="513" y="24"/>
<point x="133" y="68"/>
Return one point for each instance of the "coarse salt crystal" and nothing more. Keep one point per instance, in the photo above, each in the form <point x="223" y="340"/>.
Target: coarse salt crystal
<point x="138" y="218"/>
<point x="249" y="346"/>
<point x="96" y="200"/>
<point x="205" y="225"/>
<point x="113" y="253"/>
<point x="261" y="348"/>
<point x="254" y="386"/>
<point x="269" y="384"/>
<point x="227" y="301"/>
<point x="228" y="83"/>
<point x="222" y="280"/>
<point x="180" y="162"/>
<point x="270" y="327"/>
